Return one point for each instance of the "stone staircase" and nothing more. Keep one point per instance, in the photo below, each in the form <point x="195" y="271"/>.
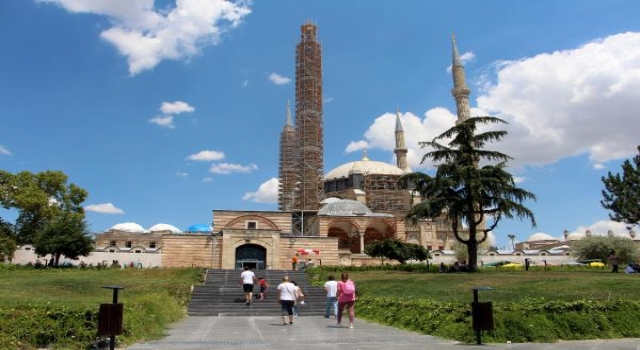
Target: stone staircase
<point x="221" y="295"/>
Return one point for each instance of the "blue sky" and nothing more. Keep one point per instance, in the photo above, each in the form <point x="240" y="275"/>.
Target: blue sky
<point x="167" y="110"/>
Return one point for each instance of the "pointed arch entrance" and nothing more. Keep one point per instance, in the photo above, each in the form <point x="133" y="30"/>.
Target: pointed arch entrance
<point x="251" y="255"/>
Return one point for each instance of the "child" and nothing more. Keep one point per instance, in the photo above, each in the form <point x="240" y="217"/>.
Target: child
<point x="264" y="286"/>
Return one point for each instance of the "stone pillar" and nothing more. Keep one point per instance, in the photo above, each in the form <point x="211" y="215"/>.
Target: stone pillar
<point x="361" y="243"/>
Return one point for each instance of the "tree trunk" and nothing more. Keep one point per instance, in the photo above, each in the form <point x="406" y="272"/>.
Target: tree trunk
<point x="57" y="260"/>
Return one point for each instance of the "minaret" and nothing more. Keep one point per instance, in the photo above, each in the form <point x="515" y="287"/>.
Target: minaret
<point x="309" y="133"/>
<point x="401" y="148"/>
<point x="286" y="168"/>
<point x="460" y="90"/>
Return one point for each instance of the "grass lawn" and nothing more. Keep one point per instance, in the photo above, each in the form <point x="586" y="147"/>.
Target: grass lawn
<point x="508" y="285"/>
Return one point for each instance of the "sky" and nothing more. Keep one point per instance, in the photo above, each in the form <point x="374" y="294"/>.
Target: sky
<point x="166" y="110"/>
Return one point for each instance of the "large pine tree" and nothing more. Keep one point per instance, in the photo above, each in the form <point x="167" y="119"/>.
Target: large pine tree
<point x="622" y="192"/>
<point x="464" y="192"/>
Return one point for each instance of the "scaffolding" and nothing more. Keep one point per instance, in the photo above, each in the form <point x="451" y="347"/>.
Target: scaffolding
<point x="383" y="193"/>
<point x="309" y="132"/>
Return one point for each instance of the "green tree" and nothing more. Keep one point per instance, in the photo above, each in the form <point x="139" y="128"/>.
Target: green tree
<point x="395" y="249"/>
<point x="464" y="192"/>
<point x="37" y="198"/>
<point x="65" y="234"/>
<point x="599" y="247"/>
<point x="8" y="244"/>
<point x="622" y="192"/>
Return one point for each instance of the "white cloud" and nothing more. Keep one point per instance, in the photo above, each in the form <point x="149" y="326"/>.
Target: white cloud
<point x="104" y="208"/>
<point x="354" y="146"/>
<point x="465" y="58"/>
<point x="163" y="120"/>
<point x="519" y="179"/>
<point x="328" y="99"/>
<point x="227" y="168"/>
<point x="598" y="166"/>
<point x="176" y="107"/>
<point x="571" y="102"/>
<point x="181" y="174"/>
<point x="603" y="226"/>
<point x="207" y="179"/>
<point x="146" y="36"/>
<point x="266" y="193"/>
<point x="245" y="83"/>
<point x="4" y="151"/>
<point x="558" y="105"/>
<point x="278" y="79"/>
<point x="207" y="155"/>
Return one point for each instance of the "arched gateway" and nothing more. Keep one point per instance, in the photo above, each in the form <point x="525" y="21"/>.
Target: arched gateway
<point x="251" y="255"/>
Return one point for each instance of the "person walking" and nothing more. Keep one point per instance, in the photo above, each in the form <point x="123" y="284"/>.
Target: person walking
<point x="299" y="298"/>
<point x="613" y="260"/>
<point x="346" y="298"/>
<point x="294" y="262"/>
<point x="331" y="287"/>
<point x="247" y="280"/>
<point x="286" y="298"/>
<point x="264" y="286"/>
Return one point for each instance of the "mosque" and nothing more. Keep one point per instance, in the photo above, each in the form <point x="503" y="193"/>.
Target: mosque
<point x="325" y="218"/>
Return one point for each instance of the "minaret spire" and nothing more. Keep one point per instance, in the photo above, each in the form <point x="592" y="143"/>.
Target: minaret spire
<point x="287" y="167"/>
<point x="401" y="148"/>
<point x="288" y="123"/>
<point x="460" y="90"/>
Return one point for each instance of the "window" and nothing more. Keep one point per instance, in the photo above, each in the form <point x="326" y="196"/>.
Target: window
<point x="138" y="251"/>
<point x="112" y="243"/>
<point x="429" y="247"/>
<point x="152" y="244"/>
<point x="129" y="244"/>
<point x="27" y="248"/>
<point x="112" y="250"/>
<point x="252" y="225"/>
<point x="518" y="254"/>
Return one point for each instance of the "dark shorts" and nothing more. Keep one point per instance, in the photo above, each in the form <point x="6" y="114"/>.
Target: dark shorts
<point x="287" y="306"/>
<point x="248" y="288"/>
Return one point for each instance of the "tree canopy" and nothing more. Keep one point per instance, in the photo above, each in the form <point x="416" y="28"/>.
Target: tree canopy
<point x="50" y="213"/>
<point x="465" y="192"/>
<point x="599" y="247"/>
<point x="395" y="249"/>
<point x="621" y="194"/>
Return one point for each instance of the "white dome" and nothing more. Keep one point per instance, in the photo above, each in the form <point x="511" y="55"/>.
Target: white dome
<point x="345" y="207"/>
<point x="365" y="167"/>
<point x="330" y="200"/>
<point x="575" y="236"/>
<point x="540" y="236"/>
<point x="129" y="227"/>
<point x="164" y="227"/>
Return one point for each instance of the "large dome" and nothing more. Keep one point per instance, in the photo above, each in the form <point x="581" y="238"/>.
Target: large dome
<point x="541" y="236"/>
<point x="128" y="227"/>
<point x="576" y="236"/>
<point x="164" y="227"/>
<point x="345" y="207"/>
<point x="365" y="167"/>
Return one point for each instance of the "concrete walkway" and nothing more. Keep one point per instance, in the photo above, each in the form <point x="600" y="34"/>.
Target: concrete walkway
<point x="318" y="333"/>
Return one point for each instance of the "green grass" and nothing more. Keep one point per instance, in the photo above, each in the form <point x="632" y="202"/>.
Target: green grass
<point x="508" y="285"/>
<point x="57" y="308"/>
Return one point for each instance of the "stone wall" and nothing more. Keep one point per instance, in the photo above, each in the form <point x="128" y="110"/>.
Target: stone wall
<point x="191" y="250"/>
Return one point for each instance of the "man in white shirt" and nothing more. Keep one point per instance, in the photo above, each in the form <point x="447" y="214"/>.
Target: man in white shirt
<point x="247" y="280"/>
<point x="331" y="287"/>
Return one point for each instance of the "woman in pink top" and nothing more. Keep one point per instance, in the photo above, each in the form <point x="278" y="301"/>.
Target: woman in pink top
<point x="346" y="298"/>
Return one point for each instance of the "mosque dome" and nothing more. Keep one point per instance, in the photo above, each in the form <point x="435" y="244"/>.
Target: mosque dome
<point x="365" y="167"/>
<point x="575" y="236"/>
<point x="540" y="236"/>
<point x="345" y="207"/>
<point x="199" y="228"/>
<point x="330" y="200"/>
<point x="128" y="227"/>
<point x="164" y="227"/>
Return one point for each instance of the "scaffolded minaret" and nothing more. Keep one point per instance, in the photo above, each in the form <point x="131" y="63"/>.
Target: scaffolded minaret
<point x="401" y="148"/>
<point x="286" y="169"/>
<point x="460" y="90"/>
<point x="309" y="133"/>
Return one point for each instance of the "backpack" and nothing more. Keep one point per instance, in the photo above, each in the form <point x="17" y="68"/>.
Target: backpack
<point x="349" y="288"/>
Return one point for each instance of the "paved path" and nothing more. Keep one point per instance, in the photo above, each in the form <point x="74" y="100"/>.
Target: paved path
<point x="318" y="333"/>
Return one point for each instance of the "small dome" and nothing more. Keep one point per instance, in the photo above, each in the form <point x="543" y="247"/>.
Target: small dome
<point x="364" y="166"/>
<point x="164" y="227"/>
<point x="128" y="227"/>
<point x="541" y="236"/>
<point x="200" y="228"/>
<point x="345" y="207"/>
<point x="575" y="236"/>
<point x="330" y="200"/>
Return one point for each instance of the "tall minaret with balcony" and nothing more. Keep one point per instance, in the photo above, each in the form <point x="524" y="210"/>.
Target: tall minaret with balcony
<point x="460" y="90"/>
<point x="401" y="148"/>
<point x="287" y="165"/>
